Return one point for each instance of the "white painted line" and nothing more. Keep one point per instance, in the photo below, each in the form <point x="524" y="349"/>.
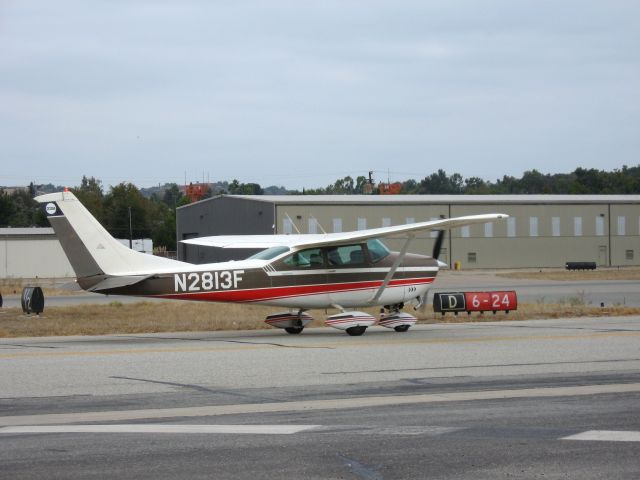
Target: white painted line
<point x="606" y="436"/>
<point x="310" y="405"/>
<point x="156" y="428"/>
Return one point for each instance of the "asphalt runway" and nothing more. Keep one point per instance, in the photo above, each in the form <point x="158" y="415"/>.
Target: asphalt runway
<point x="539" y="399"/>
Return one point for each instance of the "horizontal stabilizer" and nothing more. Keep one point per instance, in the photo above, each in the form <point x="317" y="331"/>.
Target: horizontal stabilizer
<point x="116" y="282"/>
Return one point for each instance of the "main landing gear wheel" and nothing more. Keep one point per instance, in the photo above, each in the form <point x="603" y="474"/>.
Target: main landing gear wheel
<point x="402" y="328"/>
<point x="293" y="330"/>
<point x="356" y="331"/>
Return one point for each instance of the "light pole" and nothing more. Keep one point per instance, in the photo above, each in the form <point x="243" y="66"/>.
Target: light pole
<point x="130" y="231"/>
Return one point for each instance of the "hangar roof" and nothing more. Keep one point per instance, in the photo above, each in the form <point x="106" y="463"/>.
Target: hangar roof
<point x="436" y="199"/>
<point x="6" y="232"/>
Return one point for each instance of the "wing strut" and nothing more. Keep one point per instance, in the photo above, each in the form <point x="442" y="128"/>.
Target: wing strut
<point x="393" y="269"/>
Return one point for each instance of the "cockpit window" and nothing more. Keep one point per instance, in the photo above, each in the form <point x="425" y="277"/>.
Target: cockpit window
<point x="309" y="258"/>
<point x="269" y="253"/>
<point x="377" y="249"/>
<point x="345" y="255"/>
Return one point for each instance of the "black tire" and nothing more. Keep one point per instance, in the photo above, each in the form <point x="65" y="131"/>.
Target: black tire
<point x="356" y="331"/>
<point x="294" y="330"/>
<point x="402" y="328"/>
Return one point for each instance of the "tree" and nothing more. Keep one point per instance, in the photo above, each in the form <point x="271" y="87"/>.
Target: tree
<point x="475" y="186"/>
<point x="117" y="203"/>
<point x="172" y="196"/>
<point x="440" y="183"/>
<point x="90" y="195"/>
<point x="237" y="188"/>
<point x="342" y="186"/>
<point x="18" y="209"/>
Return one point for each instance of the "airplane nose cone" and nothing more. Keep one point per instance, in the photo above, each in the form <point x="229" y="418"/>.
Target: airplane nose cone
<point x="442" y="264"/>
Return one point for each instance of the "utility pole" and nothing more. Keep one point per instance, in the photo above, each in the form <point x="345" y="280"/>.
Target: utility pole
<point x="130" y="231"/>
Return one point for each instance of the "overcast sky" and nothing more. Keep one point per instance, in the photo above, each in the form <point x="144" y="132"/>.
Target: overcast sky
<point x="301" y="93"/>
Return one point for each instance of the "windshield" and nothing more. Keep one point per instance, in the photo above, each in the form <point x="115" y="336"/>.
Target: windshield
<point x="269" y="253"/>
<point x="377" y="249"/>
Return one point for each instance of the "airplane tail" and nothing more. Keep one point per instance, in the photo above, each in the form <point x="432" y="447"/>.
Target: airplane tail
<point x="93" y="253"/>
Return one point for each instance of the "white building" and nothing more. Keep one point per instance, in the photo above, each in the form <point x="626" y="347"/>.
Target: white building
<point x="31" y="253"/>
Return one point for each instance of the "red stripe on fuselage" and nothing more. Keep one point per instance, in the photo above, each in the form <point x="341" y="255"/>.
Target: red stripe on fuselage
<point x="273" y="293"/>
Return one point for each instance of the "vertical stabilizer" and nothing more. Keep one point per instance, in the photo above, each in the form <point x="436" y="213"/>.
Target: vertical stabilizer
<point x="91" y="250"/>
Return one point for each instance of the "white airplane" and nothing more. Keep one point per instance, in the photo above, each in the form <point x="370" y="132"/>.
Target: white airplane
<point x="335" y="270"/>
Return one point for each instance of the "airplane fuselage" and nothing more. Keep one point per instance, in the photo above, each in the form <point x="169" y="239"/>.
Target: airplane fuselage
<point x="281" y="283"/>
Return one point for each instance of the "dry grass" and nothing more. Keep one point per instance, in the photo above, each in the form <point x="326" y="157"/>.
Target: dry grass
<point x="50" y="287"/>
<point x="630" y="273"/>
<point x="529" y="311"/>
<point x="153" y="317"/>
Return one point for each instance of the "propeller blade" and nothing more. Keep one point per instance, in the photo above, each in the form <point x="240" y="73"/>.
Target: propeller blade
<point x="438" y="245"/>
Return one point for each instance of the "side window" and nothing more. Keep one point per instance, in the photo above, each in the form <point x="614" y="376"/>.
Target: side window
<point x="377" y="249"/>
<point x="310" y="258"/>
<point x="346" y="255"/>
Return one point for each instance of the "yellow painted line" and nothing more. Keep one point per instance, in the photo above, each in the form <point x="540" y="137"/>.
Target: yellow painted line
<point x="310" y="405"/>
<point x="336" y="345"/>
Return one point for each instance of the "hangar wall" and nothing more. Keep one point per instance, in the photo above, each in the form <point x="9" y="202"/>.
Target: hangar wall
<point x="31" y="253"/>
<point x="543" y="231"/>
<point x="221" y="215"/>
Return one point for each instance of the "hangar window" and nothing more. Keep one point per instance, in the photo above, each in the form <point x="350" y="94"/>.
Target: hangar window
<point x="600" y="225"/>
<point x="471" y="257"/>
<point x="313" y="225"/>
<point x="533" y="226"/>
<point x="621" y="225"/>
<point x="287" y="226"/>
<point x="362" y="223"/>
<point x="410" y="220"/>
<point x="629" y="254"/>
<point x="555" y="226"/>
<point x="577" y="226"/>
<point x="465" y="231"/>
<point x="511" y="227"/>
<point x="337" y="225"/>
<point x="488" y="229"/>
<point x="386" y="222"/>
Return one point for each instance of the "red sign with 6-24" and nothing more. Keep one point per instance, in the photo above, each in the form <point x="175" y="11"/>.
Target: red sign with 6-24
<point x="490" y="301"/>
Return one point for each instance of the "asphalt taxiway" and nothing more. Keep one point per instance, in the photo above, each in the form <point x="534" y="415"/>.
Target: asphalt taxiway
<point x="539" y="399"/>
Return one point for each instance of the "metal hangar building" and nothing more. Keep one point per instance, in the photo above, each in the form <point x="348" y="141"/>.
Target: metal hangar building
<point x="542" y="231"/>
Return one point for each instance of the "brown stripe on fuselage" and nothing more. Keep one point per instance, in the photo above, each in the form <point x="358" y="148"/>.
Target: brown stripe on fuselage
<point x="253" y="279"/>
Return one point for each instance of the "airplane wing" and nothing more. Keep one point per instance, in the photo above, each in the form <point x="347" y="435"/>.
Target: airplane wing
<point x="318" y="240"/>
<point x="253" y="241"/>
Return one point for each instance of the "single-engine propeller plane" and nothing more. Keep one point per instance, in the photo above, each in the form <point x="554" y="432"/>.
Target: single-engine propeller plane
<point x="344" y="270"/>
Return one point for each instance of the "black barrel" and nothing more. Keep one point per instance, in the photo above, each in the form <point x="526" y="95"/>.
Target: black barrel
<point x="580" y="265"/>
<point x="32" y="300"/>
